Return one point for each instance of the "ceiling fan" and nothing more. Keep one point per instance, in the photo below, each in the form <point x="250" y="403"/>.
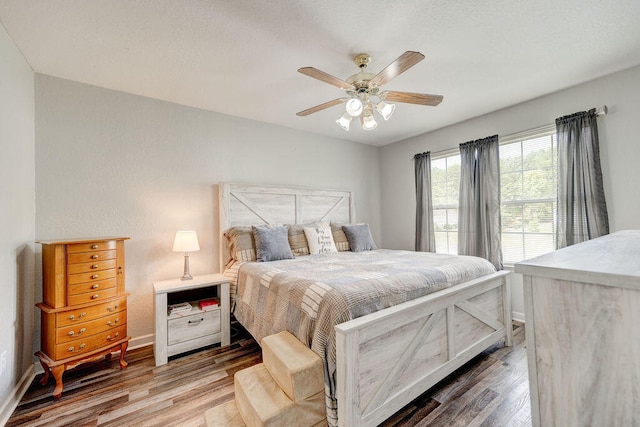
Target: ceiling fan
<point x="364" y="91"/>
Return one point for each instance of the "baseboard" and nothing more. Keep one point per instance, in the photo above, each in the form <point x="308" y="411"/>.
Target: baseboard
<point x="142" y="341"/>
<point x="517" y="316"/>
<point x="16" y="394"/>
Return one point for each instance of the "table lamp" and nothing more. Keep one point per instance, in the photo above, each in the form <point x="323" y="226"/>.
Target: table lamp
<point x="186" y="241"/>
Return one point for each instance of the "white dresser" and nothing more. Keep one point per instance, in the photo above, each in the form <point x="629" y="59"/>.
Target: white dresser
<point x="582" y="312"/>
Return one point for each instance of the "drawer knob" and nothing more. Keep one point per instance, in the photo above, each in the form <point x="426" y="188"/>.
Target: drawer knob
<point x="95" y="266"/>
<point x="95" y="296"/>
<point x="95" y="276"/>
<point x="80" y="332"/>
<point x="72" y="317"/>
<point x="196" y="322"/>
<point x="115" y="307"/>
<point x="94" y="246"/>
<point x="114" y="336"/>
<point x="94" y="256"/>
<point x="110" y="323"/>
<point x="96" y="286"/>
<point x="72" y="349"/>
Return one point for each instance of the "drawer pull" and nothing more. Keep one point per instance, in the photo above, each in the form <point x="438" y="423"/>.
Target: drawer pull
<point x="94" y="256"/>
<point x="95" y="276"/>
<point x="80" y="332"/>
<point x="95" y="266"/>
<point x="72" y="317"/>
<point x="114" y="336"/>
<point x="96" y="296"/>
<point x="96" y="286"/>
<point x="115" y="307"/>
<point x="72" y="349"/>
<point x="94" y="246"/>
<point x="110" y="323"/>
<point x="196" y="322"/>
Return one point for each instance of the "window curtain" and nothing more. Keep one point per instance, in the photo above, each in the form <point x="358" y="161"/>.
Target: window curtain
<point x="479" y="208"/>
<point x="425" y="233"/>
<point x="582" y="209"/>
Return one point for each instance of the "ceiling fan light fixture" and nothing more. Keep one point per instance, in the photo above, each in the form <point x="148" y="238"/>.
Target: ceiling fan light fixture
<point x="368" y="122"/>
<point x="385" y="109"/>
<point x="354" y="107"/>
<point x="344" y="121"/>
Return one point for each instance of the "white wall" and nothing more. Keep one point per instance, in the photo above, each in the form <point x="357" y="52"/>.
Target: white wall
<point x="110" y="163"/>
<point x="619" y="133"/>
<point x="17" y="218"/>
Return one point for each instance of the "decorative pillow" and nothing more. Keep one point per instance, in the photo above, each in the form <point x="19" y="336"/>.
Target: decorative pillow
<point x="297" y="239"/>
<point x="359" y="237"/>
<point x="320" y="239"/>
<point x="340" y="239"/>
<point x="272" y="243"/>
<point x="241" y="243"/>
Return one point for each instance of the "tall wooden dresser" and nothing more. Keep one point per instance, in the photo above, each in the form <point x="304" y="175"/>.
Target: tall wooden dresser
<point x="84" y="308"/>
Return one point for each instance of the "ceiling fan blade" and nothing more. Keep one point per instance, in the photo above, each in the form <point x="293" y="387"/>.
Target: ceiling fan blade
<point x="411" y="98"/>
<point x="321" y="107"/>
<point x="397" y="67"/>
<point x="327" y="78"/>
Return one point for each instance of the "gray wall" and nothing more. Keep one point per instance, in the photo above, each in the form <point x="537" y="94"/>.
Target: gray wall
<point x="619" y="144"/>
<point x="110" y="163"/>
<point x="17" y="217"/>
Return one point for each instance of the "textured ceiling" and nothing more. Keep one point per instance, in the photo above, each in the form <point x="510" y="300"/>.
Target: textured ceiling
<point x="240" y="57"/>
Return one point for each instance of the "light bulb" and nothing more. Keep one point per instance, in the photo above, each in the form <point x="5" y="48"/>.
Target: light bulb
<point x="354" y="107"/>
<point x="344" y="121"/>
<point x="385" y="110"/>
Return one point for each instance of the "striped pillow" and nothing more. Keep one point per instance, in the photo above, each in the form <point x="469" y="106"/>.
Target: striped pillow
<point x="297" y="239"/>
<point x="340" y="239"/>
<point x="241" y="243"/>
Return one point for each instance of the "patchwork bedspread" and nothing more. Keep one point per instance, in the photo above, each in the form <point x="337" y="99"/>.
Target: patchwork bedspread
<point x="309" y="295"/>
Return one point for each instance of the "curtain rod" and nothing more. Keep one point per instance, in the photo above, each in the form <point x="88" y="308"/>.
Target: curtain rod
<point x="602" y="111"/>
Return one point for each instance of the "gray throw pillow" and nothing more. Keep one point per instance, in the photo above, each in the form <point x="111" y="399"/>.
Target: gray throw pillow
<point x="272" y="242"/>
<point x="359" y="237"/>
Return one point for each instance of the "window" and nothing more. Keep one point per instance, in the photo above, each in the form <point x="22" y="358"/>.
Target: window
<point x="528" y="191"/>
<point x="445" y="185"/>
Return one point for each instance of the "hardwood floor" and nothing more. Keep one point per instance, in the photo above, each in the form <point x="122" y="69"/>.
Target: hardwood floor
<point x="491" y="390"/>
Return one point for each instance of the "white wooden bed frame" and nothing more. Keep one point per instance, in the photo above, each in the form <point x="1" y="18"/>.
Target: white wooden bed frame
<point x="387" y="358"/>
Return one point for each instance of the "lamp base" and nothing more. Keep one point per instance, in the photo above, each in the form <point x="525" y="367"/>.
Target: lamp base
<point x="186" y="275"/>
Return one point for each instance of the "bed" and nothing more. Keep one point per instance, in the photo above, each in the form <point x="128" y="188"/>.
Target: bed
<point x="387" y="349"/>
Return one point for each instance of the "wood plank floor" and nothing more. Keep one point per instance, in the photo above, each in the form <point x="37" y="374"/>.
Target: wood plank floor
<point x="491" y="390"/>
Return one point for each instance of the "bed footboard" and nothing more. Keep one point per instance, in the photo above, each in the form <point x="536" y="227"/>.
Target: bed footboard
<point x="388" y="358"/>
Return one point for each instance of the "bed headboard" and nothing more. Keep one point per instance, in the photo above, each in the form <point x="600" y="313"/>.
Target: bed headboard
<point x="246" y="204"/>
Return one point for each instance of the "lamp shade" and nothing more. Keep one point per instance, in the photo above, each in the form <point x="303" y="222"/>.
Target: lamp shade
<point x="354" y="107"/>
<point x="344" y="121"/>
<point x="385" y="110"/>
<point x="186" y="241"/>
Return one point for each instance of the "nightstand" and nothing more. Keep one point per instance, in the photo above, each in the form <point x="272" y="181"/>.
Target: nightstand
<point x="185" y="331"/>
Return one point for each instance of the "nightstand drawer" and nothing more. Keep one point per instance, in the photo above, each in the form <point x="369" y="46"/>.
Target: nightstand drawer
<point x="193" y="326"/>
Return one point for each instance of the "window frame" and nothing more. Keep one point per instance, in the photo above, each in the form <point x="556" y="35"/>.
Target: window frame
<point x="538" y="132"/>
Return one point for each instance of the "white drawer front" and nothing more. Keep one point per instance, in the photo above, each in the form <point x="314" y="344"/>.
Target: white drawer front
<point x="193" y="326"/>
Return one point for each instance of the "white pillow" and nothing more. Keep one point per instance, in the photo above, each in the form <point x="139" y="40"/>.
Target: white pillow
<point x="320" y="239"/>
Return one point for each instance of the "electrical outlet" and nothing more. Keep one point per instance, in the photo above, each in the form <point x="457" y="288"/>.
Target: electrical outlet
<point x="3" y="362"/>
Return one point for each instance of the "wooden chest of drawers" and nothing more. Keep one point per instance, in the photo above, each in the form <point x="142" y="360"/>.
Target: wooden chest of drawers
<point x="84" y="308"/>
